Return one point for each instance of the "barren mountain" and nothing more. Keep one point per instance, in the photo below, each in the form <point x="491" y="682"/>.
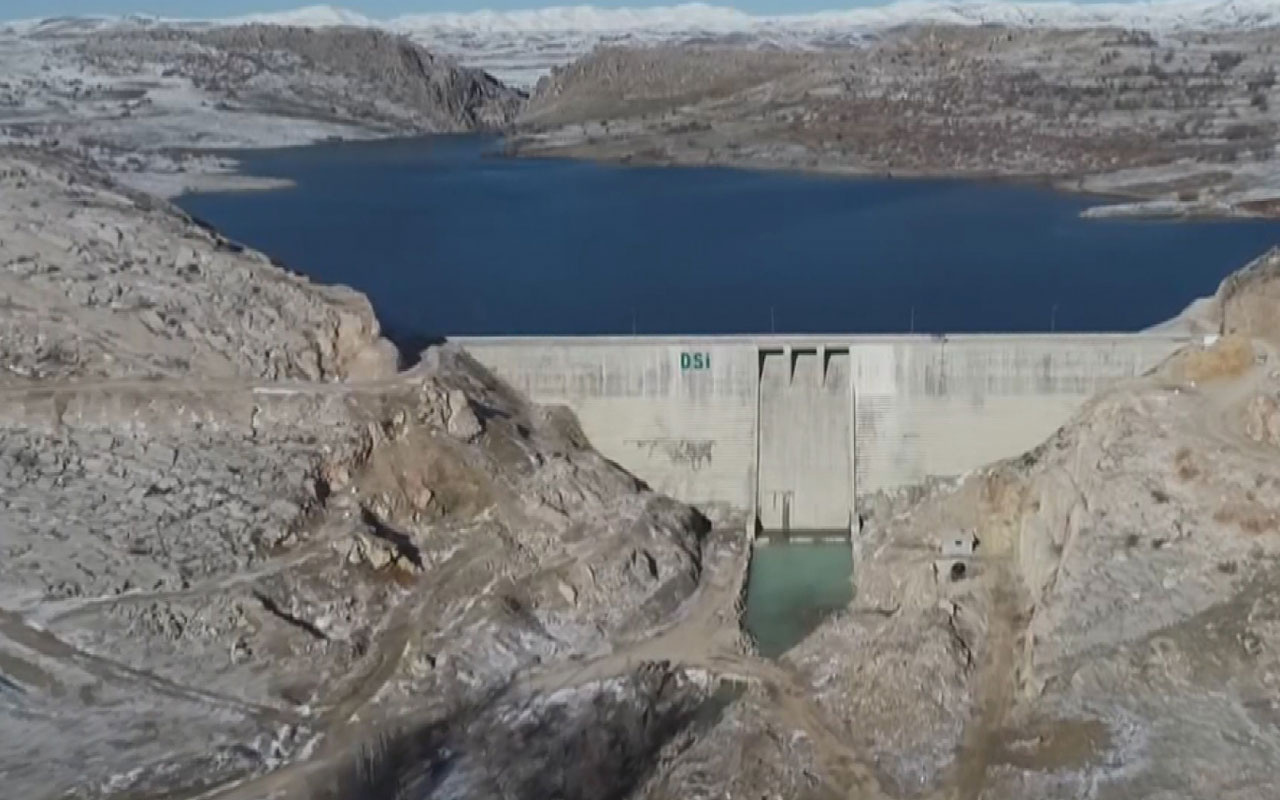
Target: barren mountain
<point x="138" y="97"/>
<point x="522" y="45"/>
<point x="1185" y="119"/>
<point x="355" y="76"/>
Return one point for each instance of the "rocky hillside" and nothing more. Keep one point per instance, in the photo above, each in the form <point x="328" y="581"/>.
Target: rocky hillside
<point x="233" y="537"/>
<point x="350" y="75"/>
<point x="102" y="282"/>
<point x="1188" y="120"/>
<point x="1115" y="634"/>
<point x="138" y="98"/>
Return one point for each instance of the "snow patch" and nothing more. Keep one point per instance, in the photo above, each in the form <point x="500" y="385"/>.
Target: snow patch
<point x="519" y="47"/>
<point x="319" y="16"/>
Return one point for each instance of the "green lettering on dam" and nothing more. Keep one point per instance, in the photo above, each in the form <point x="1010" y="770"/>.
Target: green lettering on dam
<point x="691" y="361"/>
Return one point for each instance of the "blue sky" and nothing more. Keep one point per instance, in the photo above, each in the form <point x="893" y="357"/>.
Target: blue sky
<point x="23" y="9"/>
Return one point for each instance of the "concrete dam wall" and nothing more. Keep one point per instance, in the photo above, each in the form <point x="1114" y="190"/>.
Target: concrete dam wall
<point x="791" y="428"/>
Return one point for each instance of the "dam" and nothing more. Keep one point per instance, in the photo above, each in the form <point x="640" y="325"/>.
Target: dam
<point x="789" y="430"/>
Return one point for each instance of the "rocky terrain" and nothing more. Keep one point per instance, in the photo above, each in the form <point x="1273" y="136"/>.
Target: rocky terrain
<point x="233" y="535"/>
<point x="249" y="550"/>
<point x="137" y="98"/>
<point x="102" y="282"/>
<point x="519" y="46"/>
<point x="1185" y="122"/>
<point x="256" y="560"/>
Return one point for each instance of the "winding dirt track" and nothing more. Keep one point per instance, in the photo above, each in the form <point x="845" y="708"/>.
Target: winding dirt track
<point x="704" y="635"/>
<point x="16" y="630"/>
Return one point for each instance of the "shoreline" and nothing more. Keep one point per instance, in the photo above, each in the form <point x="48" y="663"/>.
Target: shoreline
<point x="169" y="186"/>
<point x="1113" y="203"/>
<point x="1123" y="205"/>
<point x="489" y="146"/>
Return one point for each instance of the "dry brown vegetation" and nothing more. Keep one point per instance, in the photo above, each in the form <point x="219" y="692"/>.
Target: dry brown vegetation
<point x="1229" y="357"/>
<point x="1249" y="515"/>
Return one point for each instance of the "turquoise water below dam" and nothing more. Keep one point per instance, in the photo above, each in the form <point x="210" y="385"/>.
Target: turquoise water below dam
<point x="448" y="239"/>
<point x="792" y="587"/>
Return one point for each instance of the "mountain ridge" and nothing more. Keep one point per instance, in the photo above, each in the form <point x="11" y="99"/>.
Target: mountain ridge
<point x="1159" y="14"/>
<point x="1208" y="14"/>
<point x="520" y="47"/>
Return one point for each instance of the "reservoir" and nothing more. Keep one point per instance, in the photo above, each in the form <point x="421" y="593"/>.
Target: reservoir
<point x="448" y="238"/>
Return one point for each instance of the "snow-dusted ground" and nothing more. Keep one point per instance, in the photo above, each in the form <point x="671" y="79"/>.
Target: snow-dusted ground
<point x="49" y="93"/>
<point x="137" y="102"/>
<point x="48" y="97"/>
<point x="520" y="46"/>
<point x="46" y="91"/>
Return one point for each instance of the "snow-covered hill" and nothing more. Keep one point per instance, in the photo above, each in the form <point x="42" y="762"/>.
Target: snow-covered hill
<point x="1162" y="14"/>
<point x="309" y="17"/>
<point x="520" y="46"/>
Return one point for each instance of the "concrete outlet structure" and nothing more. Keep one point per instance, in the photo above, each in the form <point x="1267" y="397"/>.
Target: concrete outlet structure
<point x="790" y="429"/>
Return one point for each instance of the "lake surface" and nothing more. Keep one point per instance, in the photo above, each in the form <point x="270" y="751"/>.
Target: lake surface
<point x="446" y="238"/>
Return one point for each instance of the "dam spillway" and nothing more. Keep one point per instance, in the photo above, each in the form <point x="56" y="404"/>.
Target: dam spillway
<point x="790" y="429"/>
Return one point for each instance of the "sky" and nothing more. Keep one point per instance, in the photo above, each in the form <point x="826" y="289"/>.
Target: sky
<point x="25" y="9"/>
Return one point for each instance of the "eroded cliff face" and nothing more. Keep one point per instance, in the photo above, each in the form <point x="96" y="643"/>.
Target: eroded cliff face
<point x="235" y="543"/>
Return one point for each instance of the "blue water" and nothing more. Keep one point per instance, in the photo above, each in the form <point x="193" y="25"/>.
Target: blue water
<point x="446" y="238"/>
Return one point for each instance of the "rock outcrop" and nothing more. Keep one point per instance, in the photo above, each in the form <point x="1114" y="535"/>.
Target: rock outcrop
<point x="1249" y="299"/>
<point x="102" y="282"/>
